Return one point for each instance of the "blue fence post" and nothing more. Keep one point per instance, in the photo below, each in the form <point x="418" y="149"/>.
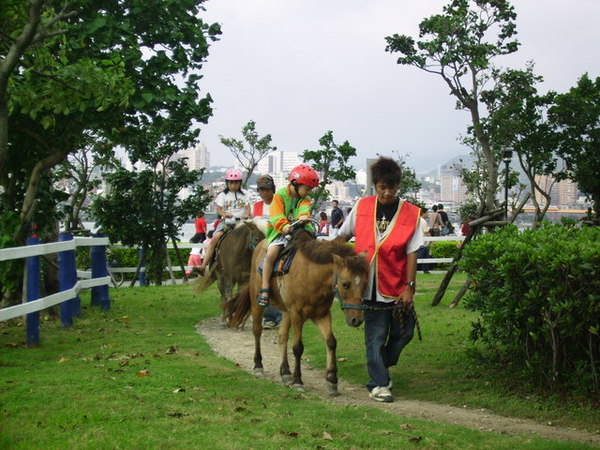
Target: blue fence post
<point x="67" y="277"/>
<point x="142" y="276"/>
<point x="100" y="295"/>
<point x="33" y="293"/>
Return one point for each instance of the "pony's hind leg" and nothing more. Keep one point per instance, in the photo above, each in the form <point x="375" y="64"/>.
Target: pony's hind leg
<point x="284" y="333"/>
<point x="324" y="325"/>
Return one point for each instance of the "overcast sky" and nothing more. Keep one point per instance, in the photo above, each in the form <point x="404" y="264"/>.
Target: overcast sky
<point x="299" y="68"/>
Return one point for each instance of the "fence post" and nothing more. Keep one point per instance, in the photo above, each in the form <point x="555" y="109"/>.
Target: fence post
<point x="100" y="295"/>
<point x="142" y="275"/>
<point x="67" y="277"/>
<point x="33" y="293"/>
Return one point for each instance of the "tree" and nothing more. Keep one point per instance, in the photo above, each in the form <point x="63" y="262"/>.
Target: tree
<point x="331" y="161"/>
<point x="249" y="157"/>
<point x="518" y="120"/>
<point x="409" y="183"/>
<point x="576" y="118"/>
<point x="121" y="71"/>
<point x="144" y="209"/>
<point x="110" y="69"/>
<point x="455" y="46"/>
<point x="46" y="99"/>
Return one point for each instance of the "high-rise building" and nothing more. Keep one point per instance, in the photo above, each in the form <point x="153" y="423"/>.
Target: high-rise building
<point x="197" y="157"/>
<point x="278" y="162"/>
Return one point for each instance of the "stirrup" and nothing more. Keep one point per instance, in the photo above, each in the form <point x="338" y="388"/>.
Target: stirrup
<point x="263" y="300"/>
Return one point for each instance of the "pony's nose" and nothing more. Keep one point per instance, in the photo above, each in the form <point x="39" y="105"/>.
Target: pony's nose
<point x="356" y="322"/>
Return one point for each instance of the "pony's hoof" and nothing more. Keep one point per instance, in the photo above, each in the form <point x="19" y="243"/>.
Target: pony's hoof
<point x="258" y="373"/>
<point x="287" y="380"/>
<point x="298" y="387"/>
<point x="332" y="390"/>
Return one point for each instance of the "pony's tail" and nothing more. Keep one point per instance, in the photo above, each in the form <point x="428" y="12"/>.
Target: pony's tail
<point x="203" y="283"/>
<point x="238" y="310"/>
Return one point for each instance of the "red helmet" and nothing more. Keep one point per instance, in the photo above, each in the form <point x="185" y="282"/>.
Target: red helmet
<point x="233" y="175"/>
<point x="304" y="174"/>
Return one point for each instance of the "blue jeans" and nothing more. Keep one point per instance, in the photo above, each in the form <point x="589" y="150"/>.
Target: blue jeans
<point x="272" y="314"/>
<point x="384" y="341"/>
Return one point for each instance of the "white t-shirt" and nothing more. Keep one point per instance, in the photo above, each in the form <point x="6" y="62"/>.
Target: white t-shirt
<point x="233" y="203"/>
<point x="424" y="229"/>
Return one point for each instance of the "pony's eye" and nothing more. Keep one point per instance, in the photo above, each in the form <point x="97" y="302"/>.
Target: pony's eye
<point x="346" y="285"/>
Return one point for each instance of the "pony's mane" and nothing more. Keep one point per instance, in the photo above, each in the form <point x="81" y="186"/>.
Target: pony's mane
<point x="322" y="251"/>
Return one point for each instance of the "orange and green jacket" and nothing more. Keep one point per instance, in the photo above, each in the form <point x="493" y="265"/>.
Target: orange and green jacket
<point x="284" y="209"/>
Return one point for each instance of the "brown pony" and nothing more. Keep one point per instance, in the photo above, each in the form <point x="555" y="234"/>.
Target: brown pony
<point x="232" y="258"/>
<point x="321" y="270"/>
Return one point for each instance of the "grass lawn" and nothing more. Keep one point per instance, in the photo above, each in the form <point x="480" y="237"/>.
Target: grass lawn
<point x="140" y="376"/>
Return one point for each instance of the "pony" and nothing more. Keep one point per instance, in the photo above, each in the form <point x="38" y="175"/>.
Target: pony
<point x="320" y="271"/>
<point x="231" y="264"/>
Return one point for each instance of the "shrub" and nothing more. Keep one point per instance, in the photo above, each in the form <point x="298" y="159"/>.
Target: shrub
<point x="538" y="296"/>
<point x="443" y="249"/>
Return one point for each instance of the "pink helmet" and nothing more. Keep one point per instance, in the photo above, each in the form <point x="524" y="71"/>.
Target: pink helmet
<point x="233" y="175"/>
<point x="304" y="174"/>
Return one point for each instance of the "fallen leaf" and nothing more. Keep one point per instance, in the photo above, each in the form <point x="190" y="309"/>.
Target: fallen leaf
<point x="327" y="436"/>
<point x="62" y="360"/>
<point x="171" y="350"/>
<point x="123" y="363"/>
<point x="143" y="373"/>
<point x="178" y="390"/>
<point x="415" y="438"/>
<point x="406" y="426"/>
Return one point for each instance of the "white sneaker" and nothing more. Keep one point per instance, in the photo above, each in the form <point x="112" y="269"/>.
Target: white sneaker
<point x="381" y="394"/>
<point x="390" y="384"/>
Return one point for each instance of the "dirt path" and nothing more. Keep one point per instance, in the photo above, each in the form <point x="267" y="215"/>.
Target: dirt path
<point x="238" y="346"/>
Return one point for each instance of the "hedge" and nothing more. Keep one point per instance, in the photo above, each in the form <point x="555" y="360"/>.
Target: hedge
<point x="538" y="295"/>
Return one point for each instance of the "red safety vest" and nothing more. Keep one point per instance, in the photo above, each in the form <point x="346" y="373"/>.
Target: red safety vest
<point x="388" y="255"/>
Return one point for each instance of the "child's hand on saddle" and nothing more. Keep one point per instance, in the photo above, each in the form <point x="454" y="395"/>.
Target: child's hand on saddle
<point x="303" y="219"/>
<point x="286" y="229"/>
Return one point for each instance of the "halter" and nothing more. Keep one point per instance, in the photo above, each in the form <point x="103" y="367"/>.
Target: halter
<point x="338" y="296"/>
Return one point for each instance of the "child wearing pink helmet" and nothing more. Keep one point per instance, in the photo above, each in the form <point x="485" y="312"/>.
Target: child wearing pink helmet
<point x="232" y="204"/>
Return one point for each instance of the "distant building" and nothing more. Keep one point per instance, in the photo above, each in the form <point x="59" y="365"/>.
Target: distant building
<point x="278" y="162"/>
<point x="563" y="194"/>
<point x="197" y="157"/>
<point x="452" y="189"/>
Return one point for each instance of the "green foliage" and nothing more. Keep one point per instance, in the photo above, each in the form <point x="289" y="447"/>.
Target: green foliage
<point x="576" y="117"/>
<point x="143" y="209"/>
<point x="249" y="157"/>
<point x="408" y="183"/>
<point x="443" y="249"/>
<point x="331" y="161"/>
<point x="10" y="271"/>
<point x="538" y="296"/>
<point x="459" y="46"/>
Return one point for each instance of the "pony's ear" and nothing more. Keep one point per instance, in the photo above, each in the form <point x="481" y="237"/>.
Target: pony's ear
<point x="338" y="260"/>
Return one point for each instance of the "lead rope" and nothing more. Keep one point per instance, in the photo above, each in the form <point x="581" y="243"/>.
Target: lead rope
<point x="399" y="311"/>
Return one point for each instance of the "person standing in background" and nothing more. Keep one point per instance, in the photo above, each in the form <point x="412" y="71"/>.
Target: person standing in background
<point x="200" y="226"/>
<point x="337" y="219"/>
<point x="435" y="222"/>
<point x="423" y="252"/>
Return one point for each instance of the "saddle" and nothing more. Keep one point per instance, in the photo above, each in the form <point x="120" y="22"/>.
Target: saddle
<point x="286" y="256"/>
